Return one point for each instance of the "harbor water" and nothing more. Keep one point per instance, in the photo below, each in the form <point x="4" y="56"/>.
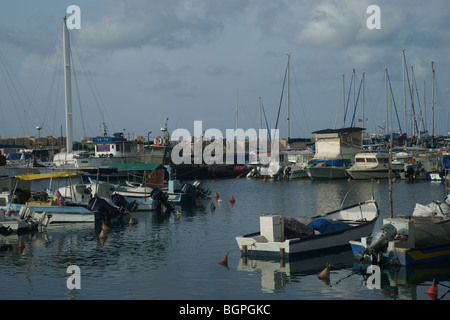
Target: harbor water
<point x="175" y="256"/>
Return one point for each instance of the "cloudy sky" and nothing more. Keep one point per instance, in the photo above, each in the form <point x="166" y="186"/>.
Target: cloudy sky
<point x="138" y="62"/>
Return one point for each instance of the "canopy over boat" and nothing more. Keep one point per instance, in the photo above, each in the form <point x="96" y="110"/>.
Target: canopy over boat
<point x="37" y="176"/>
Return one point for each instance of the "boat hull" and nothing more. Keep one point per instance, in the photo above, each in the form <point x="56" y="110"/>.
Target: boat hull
<point x="325" y="172"/>
<point x="370" y="174"/>
<point x="407" y="257"/>
<point x="62" y="214"/>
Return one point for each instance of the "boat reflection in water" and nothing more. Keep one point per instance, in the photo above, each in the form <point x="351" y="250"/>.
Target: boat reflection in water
<point x="276" y="274"/>
<point x="410" y="282"/>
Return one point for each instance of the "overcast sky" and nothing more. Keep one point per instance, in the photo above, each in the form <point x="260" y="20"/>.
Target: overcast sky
<point x="138" y="62"/>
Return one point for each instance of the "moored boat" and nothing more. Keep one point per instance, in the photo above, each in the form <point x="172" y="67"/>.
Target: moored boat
<point x="22" y="221"/>
<point x="335" y="149"/>
<point x="422" y="237"/>
<point x="372" y="165"/>
<point x="281" y="237"/>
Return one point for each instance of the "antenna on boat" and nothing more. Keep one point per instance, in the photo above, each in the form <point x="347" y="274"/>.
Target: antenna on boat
<point x="343" y="200"/>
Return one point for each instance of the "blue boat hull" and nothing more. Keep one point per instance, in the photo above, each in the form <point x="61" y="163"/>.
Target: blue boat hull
<point x="407" y="257"/>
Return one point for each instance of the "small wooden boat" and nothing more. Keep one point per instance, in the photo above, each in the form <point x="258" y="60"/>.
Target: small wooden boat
<point x="282" y="237"/>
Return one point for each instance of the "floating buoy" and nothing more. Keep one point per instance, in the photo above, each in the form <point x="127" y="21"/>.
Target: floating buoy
<point x="21" y="244"/>
<point x="213" y="207"/>
<point x="433" y="290"/>
<point x="348" y="180"/>
<point x="264" y="180"/>
<point x="232" y="199"/>
<point x="325" y="274"/>
<point x="102" y="235"/>
<point x="131" y="221"/>
<point x="216" y="195"/>
<point x="224" y="260"/>
<point x="378" y="181"/>
<point x="179" y="213"/>
<point x="105" y="227"/>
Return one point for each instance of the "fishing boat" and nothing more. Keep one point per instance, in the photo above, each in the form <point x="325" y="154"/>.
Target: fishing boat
<point x="418" y="163"/>
<point x="421" y="237"/>
<point x="288" y="164"/>
<point x="282" y="237"/>
<point x="334" y="153"/>
<point x="20" y="195"/>
<point x="150" y="183"/>
<point x="22" y="221"/>
<point x="372" y="165"/>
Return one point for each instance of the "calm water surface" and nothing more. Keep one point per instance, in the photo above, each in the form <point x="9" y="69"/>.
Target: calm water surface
<point x="174" y="256"/>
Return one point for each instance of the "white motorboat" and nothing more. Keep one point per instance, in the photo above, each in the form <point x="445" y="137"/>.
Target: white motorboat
<point x="372" y="165"/>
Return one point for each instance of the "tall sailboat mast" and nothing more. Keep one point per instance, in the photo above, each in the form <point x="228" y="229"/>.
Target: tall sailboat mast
<point x="288" y="99"/>
<point x="432" y="99"/>
<point x="67" y="87"/>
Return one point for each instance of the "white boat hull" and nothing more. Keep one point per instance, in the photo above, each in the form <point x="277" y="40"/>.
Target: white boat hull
<point x="61" y="214"/>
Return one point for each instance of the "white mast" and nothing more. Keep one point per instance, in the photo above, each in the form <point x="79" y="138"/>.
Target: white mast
<point x="288" y="99"/>
<point x="404" y="91"/>
<point x="237" y="103"/>
<point x="67" y="87"/>
<point x="432" y="99"/>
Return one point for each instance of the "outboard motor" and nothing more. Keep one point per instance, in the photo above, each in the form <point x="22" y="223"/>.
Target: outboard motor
<point x="200" y="191"/>
<point x="106" y="208"/>
<point x="380" y="241"/>
<point x="409" y="174"/>
<point x="121" y="201"/>
<point x="287" y="172"/>
<point x="162" y="199"/>
<point x="196" y="190"/>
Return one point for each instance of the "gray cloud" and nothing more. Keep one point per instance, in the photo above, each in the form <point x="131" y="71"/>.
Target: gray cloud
<point x="166" y="24"/>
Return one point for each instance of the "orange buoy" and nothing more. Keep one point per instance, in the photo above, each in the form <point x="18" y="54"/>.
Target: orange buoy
<point x="102" y="235"/>
<point x="216" y="195"/>
<point x="224" y="260"/>
<point x="264" y="180"/>
<point x="105" y="227"/>
<point x="21" y="244"/>
<point x="232" y="199"/>
<point x="432" y="291"/>
<point x="378" y="181"/>
<point x="325" y="274"/>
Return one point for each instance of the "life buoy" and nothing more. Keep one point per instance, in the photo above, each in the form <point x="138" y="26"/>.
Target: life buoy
<point x="157" y="141"/>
